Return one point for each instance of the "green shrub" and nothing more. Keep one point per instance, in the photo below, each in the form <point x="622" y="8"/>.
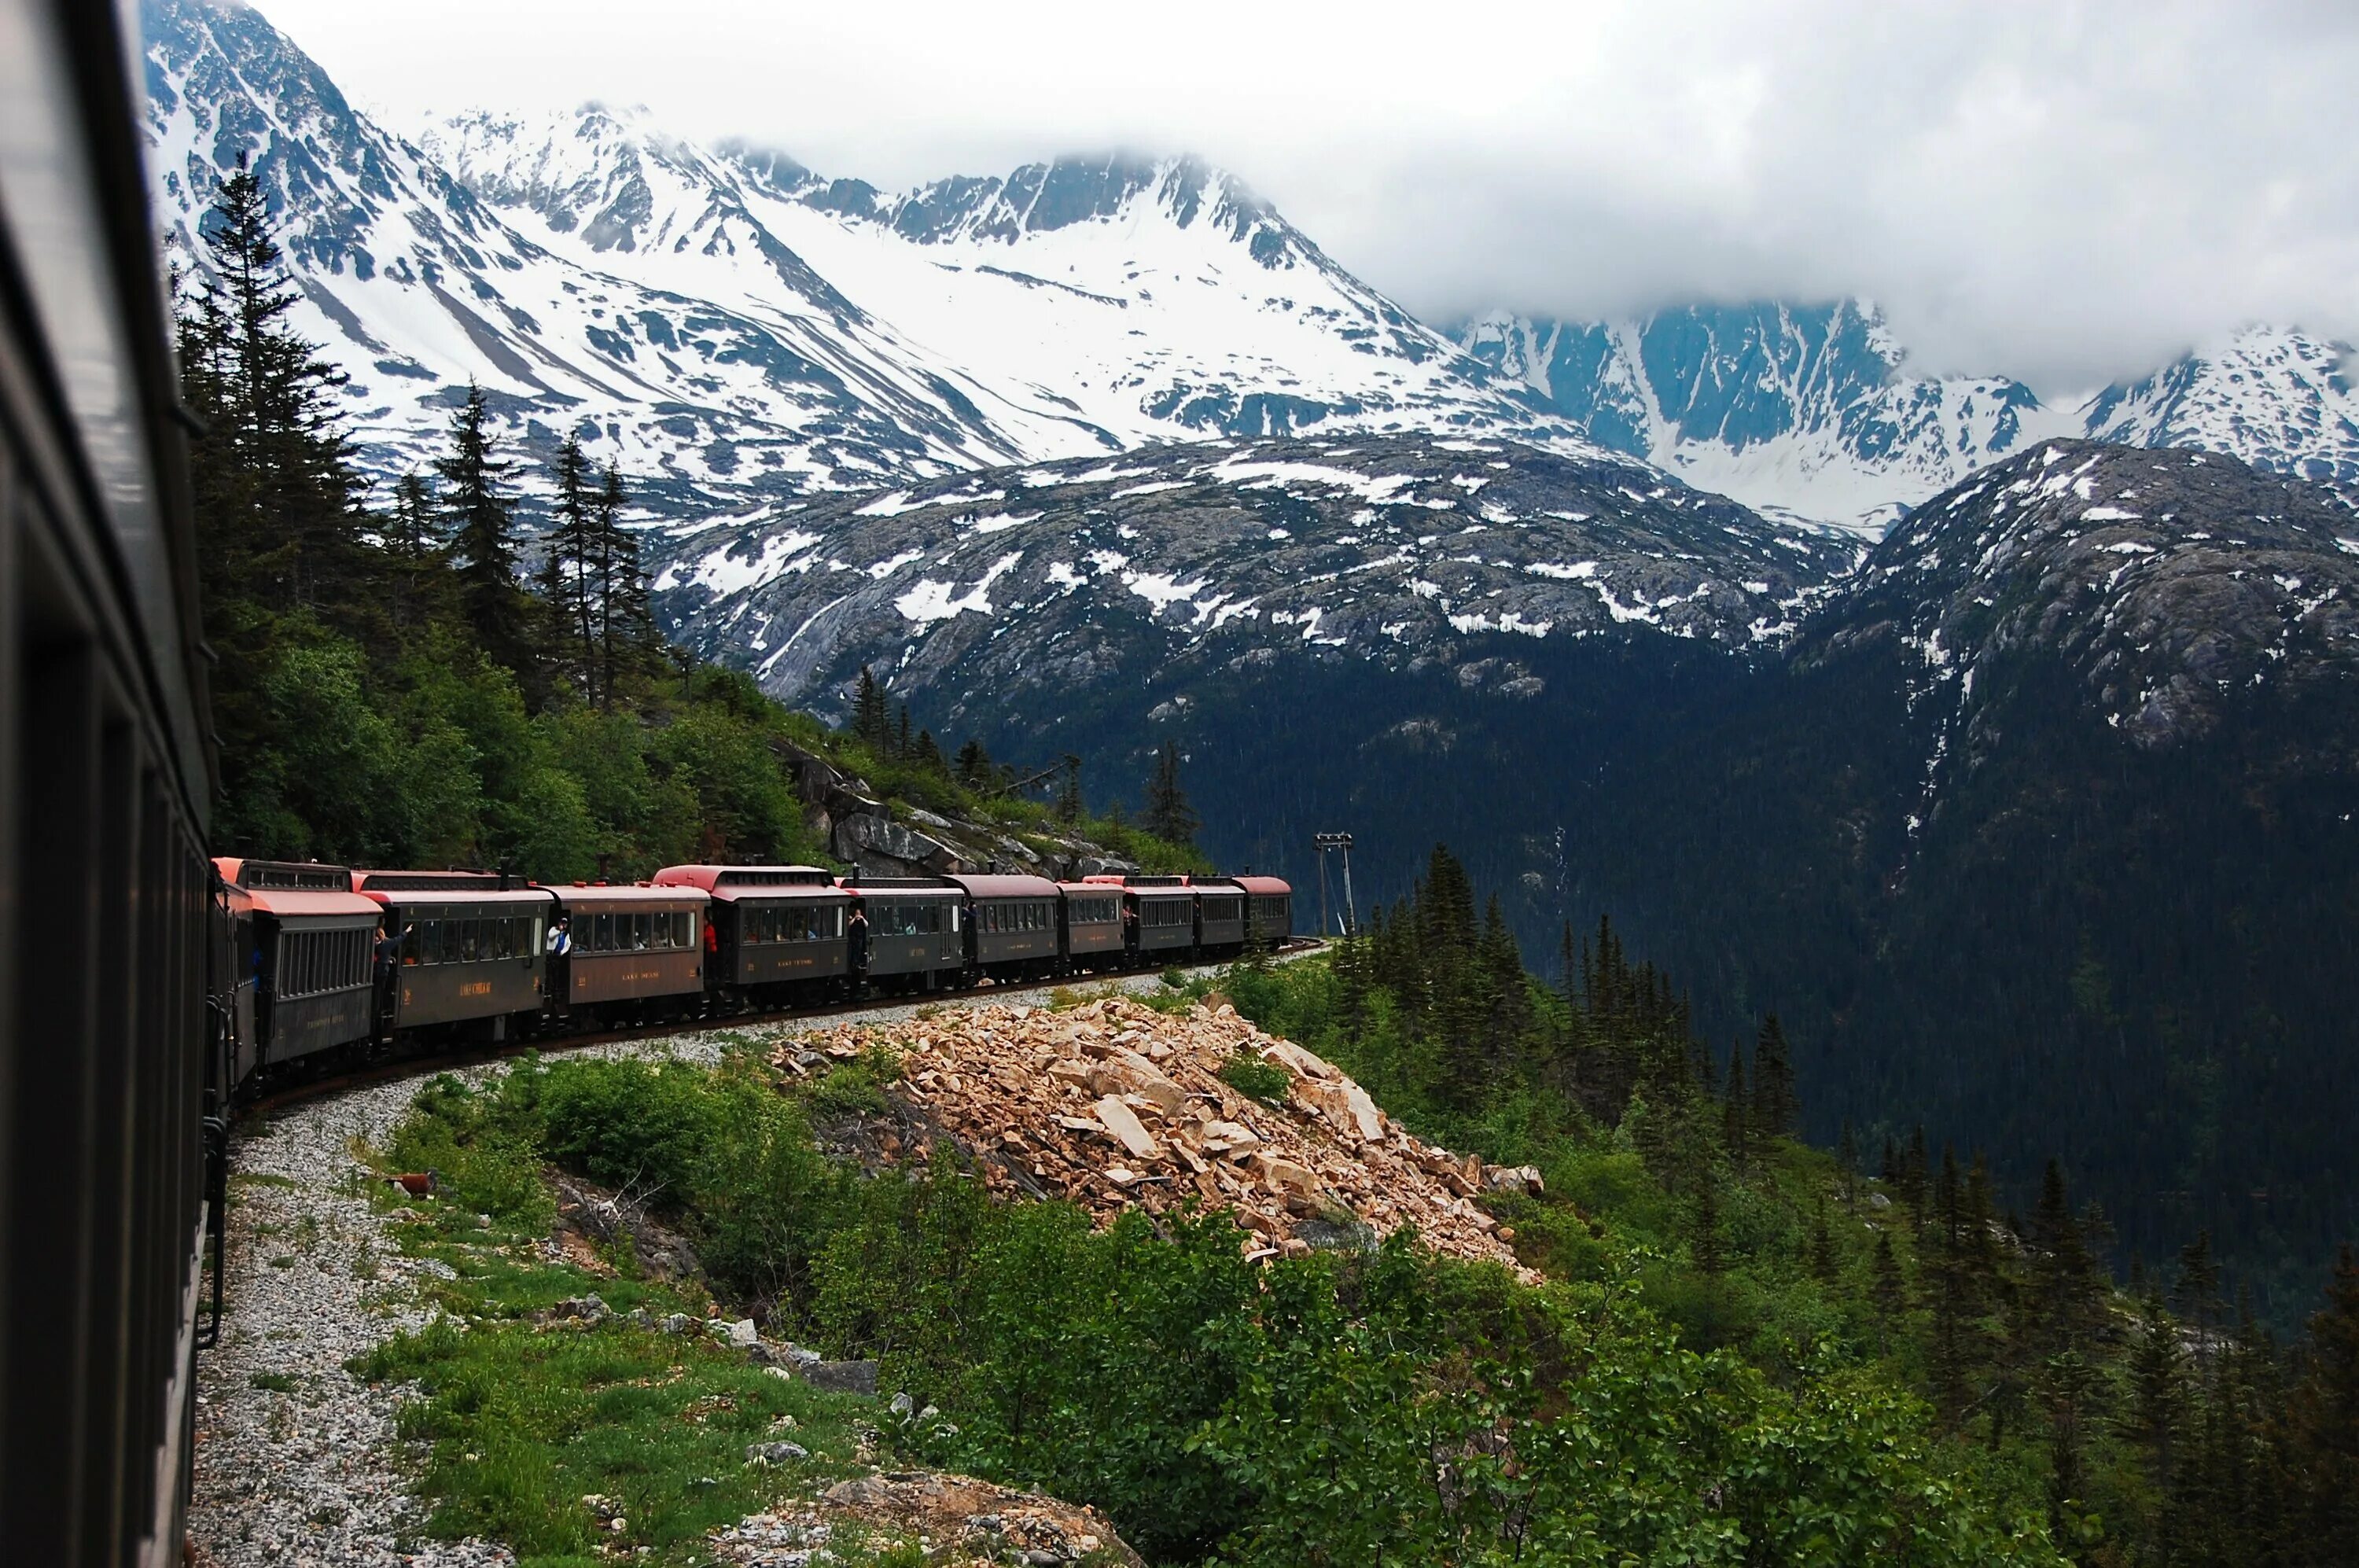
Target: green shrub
<point x="1257" y="1079"/>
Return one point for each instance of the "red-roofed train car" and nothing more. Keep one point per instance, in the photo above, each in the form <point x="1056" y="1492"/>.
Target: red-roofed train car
<point x="302" y="945"/>
<point x="1011" y="926"/>
<point x="770" y="932"/>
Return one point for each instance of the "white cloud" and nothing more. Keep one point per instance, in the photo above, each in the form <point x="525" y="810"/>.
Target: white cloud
<point x="2069" y="191"/>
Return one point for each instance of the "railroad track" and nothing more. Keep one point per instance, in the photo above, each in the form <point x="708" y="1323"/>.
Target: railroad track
<point x="386" y="1071"/>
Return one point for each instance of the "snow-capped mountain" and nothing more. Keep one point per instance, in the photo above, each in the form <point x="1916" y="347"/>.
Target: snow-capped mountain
<point x="2280" y="400"/>
<point x="416" y="286"/>
<point x="1813" y="411"/>
<point x="1138" y="301"/>
<point x="727" y="325"/>
<point x="1398" y="550"/>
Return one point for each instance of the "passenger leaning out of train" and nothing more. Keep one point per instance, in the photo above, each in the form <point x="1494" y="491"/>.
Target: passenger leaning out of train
<point x="712" y="937"/>
<point x="857" y="929"/>
<point x="561" y="936"/>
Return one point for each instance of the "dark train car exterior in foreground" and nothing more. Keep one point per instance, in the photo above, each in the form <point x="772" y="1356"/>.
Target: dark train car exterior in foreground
<point x="106" y="1060"/>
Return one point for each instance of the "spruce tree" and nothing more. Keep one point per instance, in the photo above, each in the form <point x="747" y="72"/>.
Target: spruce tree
<point x="569" y="590"/>
<point x="974" y="767"/>
<point x="626" y="636"/>
<point x="1736" y="1111"/>
<point x="1822" y="1246"/>
<point x="870" y="726"/>
<point x="483" y="535"/>
<point x="2197" y="1295"/>
<point x="277" y="514"/>
<point x="1168" y="815"/>
<point x="928" y="756"/>
<point x="1774" y="1103"/>
<point x="2158" y="1394"/>
<point x="1950" y="1288"/>
<point x="416" y="571"/>
<point x="905" y="739"/>
<point x="1887" y="1289"/>
<point x="1069" y="806"/>
<point x="2321" y="1424"/>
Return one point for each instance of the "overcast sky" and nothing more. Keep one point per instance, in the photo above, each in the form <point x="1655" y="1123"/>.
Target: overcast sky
<point x="2066" y="192"/>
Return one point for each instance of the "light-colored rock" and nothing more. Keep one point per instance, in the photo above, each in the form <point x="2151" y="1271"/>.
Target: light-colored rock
<point x="1123" y="1122"/>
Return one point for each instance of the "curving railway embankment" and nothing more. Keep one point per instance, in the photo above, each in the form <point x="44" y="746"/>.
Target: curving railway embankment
<point x="298" y="1460"/>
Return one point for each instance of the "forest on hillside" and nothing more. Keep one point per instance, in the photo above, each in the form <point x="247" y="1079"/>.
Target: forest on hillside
<point x="1743" y="1350"/>
<point x="400" y="683"/>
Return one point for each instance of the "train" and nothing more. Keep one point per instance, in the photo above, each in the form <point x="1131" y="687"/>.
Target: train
<point x="110" y="1129"/>
<point x="328" y="962"/>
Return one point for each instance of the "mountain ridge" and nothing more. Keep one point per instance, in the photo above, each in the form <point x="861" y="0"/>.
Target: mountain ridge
<point x="1815" y="409"/>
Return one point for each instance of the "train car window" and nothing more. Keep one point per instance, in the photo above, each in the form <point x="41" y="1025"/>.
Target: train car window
<point x="639" y="925"/>
<point x="503" y="935"/>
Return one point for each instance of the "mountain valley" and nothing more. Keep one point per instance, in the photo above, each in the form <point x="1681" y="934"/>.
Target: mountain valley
<point x="2004" y="748"/>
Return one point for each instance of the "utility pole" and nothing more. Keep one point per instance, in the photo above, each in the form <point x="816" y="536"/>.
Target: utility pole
<point x="1330" y="843"/>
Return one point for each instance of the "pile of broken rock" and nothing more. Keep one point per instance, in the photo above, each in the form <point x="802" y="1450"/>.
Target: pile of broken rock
<point x="1115" y="1106"/>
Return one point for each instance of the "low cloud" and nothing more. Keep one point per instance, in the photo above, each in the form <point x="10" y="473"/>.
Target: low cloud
<point x="2066" y="192"/>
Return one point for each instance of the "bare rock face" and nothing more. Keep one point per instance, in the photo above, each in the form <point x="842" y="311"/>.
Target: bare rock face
<point x="2171" y="583"/>
<point x="1017" y="585"/>
<point x="1115" y="1106"/>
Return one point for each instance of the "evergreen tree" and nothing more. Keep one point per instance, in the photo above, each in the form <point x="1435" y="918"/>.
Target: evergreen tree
<point x="2066" y="1294"/>
<point x="1774" y="1101"/>
<point x="1168" y="815"/>
<point x="1950" y="1291"/>
<point x="483" y="535"/>
<point x="1736" y="1111"/>
<point x="2198" y="1293"/>
<point x="904" y="740"/>
<point x="1822" y="1246"/>
<point x="626" y="636"/>
<point x="1914" y="1169"/>
<point x="1847" y="1157"/>
<point x="417" y="576"/>
<point x="569" y="588"/>
<point x="2157" y="1392"/>
<point x="2321" y="1426"/>
<point x="974" y="766"/>
<point x="870" y="725"/>
<point x="2069" y="1386"/>
<point x="1888" y="1289"/>
<point x="277" y="518"/>
<point x="1069" y="806"/>
<point x="929" y="755"/>
<point x="1706" y="1249"/>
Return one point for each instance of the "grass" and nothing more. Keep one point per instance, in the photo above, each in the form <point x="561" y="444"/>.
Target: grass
<point x="275" y="1382"/>
<point x="523" y="1420"/>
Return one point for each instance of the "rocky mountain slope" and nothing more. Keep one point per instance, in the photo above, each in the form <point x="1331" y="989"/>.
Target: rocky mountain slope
<point x="1815" y="409"/>
<point x="2035" y="823"/>
<point x="2169" y="584"/>
<point x="1026" y="590"/>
